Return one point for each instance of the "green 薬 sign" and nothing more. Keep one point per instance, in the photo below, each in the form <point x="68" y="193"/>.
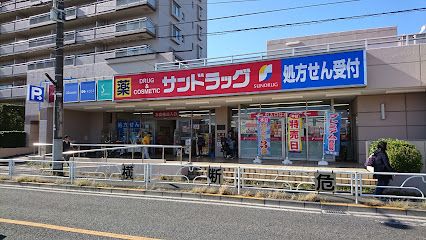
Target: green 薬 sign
<point x="105" y="90"/>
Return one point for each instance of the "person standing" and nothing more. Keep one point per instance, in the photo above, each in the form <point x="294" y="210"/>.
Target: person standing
<point x="381" y="164"/>
<point x="200" y="144"/>
<point x="146" y="141"/>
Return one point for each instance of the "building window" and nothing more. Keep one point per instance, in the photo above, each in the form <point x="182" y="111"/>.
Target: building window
<point x="200" y="32"/>
<point x="177" y="34"/>
<point x="200" y="13"/>
<point x="176" y="10"/>
<point x="199" y="52"/>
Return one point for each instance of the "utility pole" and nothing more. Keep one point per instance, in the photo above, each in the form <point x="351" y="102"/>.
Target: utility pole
<point x="57" y="14"/>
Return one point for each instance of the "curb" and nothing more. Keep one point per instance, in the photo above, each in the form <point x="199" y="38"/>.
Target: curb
<point x="325" y="207"/>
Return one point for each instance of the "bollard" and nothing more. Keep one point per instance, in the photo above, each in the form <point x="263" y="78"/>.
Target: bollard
<point x="238" y="180"/>
<point x="356" y="187"/>
<point x="71" y="171"/>
<point x="11" y="168"/>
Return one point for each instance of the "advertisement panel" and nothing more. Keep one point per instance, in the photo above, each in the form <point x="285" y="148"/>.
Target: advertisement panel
<point x="332" y="134"/>
<point x="344" y="69"/>
<point x="325" y="71"/>
<point x="70" y="92"/>
<point x="87" y="91"/>
<point x="263" y="136"/>
<point x="294" y="135"/>
<point x="105" y="91"/>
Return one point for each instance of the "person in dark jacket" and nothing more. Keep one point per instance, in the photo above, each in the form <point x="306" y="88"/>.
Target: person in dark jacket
<point x="381" y="164"/>
<point x="66" y="146"/>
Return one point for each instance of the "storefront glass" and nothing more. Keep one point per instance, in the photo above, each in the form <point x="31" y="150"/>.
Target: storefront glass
<point x="310" y="118"/>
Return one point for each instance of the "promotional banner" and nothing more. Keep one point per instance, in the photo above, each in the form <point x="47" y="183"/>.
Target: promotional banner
<point x="51" y="91"/>
<point x="105" y="90"/>
<point x="332" y="134"/>
<point x="325" y="71"/>
<point x="263" y="136"/>
<point x="71" y="92"/>
<point x="134" y="127"/>
<point x="344" y="69"/>
<point x="294" y="133"/>
<point x="87" y="91"/>
<point x="122" y="130"/>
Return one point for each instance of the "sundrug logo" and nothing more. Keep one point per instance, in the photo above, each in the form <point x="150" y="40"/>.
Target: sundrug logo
<point x="265" y="73"/>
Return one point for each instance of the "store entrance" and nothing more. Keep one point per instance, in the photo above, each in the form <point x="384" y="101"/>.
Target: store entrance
<point x="296" y="132"/>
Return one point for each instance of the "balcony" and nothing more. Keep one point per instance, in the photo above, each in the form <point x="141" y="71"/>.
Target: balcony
<point x="142" y="28"/>
<point x="14" y="5"/>
<point x="34" y="44"/>
<point x="91" y="58"/>
<point x="15" y="92"/>
<point x="13" y="70"/>
<point x="133" y="51"/>
<point x="94" y="9"/>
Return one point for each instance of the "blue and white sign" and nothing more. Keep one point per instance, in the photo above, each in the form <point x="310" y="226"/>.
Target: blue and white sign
<point x="332" y="133"/>
<point x="344" y="69"/>
<point x="70" y="92"/>
<point x="87" y="91"/>
<point x="35" y="93"/>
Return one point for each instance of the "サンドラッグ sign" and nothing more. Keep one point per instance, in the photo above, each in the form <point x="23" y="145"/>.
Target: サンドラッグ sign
<point x="345" y="69"/>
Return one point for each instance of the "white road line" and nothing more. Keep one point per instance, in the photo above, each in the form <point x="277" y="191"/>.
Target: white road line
<point x="207" y="202"/>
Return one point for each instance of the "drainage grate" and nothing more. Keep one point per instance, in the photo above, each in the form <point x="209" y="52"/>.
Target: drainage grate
<point x="340" y="212"/>
<point x="334" y="210"/>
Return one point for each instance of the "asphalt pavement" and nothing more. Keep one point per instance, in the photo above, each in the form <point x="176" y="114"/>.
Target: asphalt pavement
<point x="177" y="219"/>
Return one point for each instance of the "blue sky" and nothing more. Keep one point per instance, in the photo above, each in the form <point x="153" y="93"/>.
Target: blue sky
<point x="255" y="41"/>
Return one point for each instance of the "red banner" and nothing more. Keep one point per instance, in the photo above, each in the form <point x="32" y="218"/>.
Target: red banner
<point x="220" y="80"/>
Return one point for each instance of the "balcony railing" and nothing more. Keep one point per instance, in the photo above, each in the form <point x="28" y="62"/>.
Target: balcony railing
<point x="140" y="25"/>
<point x="13" y="70"/>
<point x="370" y="43"/>
<point x="34" y="43"/>
<point x="133" y="51"/>
<point x="96" y="8"/>
<point x="14" y="92"/>
<point x="14" y="5"/>
<point x="74" y="60"/>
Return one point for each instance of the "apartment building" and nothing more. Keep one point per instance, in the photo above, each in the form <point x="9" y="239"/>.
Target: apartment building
<point x="102" y="38"/>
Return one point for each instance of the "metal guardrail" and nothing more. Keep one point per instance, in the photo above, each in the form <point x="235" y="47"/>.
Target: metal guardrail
<point x="107" y="149"/>
<point x="349" y="183"/>
<point x="368" y="43"/>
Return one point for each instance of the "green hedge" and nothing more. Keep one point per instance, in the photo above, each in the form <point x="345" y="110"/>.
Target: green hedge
<point x="403" y="156"/>
<point x="12" y="139"/>
<point x="12" y="117"/>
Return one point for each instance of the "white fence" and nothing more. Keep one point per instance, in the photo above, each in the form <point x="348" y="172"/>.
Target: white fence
<point x="354" y="184"/>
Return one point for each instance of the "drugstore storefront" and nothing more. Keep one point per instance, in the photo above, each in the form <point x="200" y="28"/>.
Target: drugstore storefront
<point x="289" y="92"/>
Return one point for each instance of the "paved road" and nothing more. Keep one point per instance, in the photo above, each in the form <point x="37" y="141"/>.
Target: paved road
<point x="178" y="219"/>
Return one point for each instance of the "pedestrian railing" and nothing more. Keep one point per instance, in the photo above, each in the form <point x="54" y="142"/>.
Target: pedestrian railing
<point x="113" y="151"/>
<point x="355" y="184"/>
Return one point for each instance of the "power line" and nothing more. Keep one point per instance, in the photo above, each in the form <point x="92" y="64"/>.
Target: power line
<point x="264" y="12"/>
<point x="253" y="13"/>
<point x="303" y="23"/>
<point x="310" y="22"/>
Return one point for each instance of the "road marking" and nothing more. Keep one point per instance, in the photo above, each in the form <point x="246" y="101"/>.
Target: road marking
<point x="202" y="202"/>
<point x="73" y="230"/>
